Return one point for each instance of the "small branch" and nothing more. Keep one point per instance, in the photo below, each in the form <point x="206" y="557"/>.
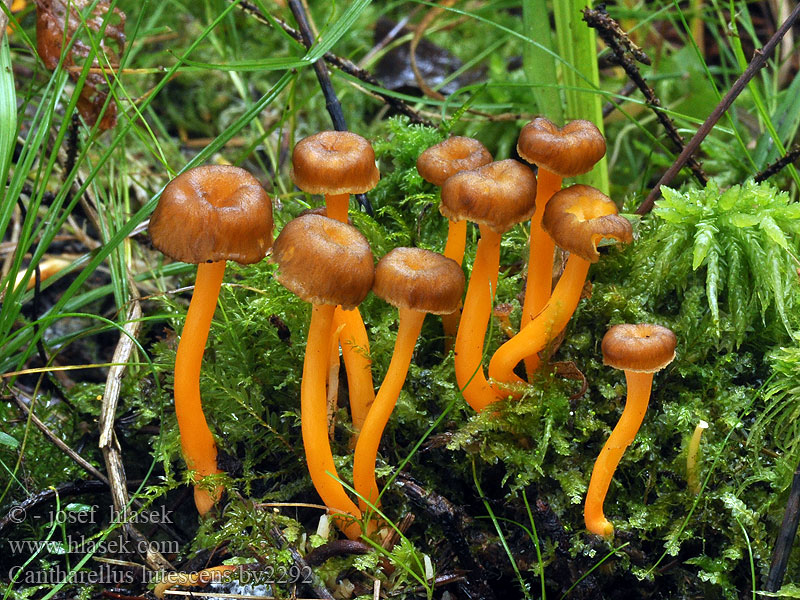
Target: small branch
<point x="331" y="101"/>
<point x="317" y="586"/>
<point x="775" y="168"/>
<point x="618" y="42"/>
<point x="343" y="64"/>
<point x="786" y="535"/>
<point x="759" y="59"/>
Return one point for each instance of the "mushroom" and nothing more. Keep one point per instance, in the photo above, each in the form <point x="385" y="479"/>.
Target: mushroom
<point x="435" y="165"/>
<point x="640" y="350"/>
<point x="497" y="196"/>
<point x="207" y="215"/>
<point x="567" y="152"/>
<point x="337" y="164"/>
<point x="417" y="282"/>
<point x="577" y="218"/>
<point x="327" y="263"/>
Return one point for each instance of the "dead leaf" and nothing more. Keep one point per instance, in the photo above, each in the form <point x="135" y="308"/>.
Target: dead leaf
<point x="57" y="23"/>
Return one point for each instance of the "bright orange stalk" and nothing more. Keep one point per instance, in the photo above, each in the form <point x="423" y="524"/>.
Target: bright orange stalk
<point x="474" y="320"/>
<point x="540" y="262"/>
<point x="639" y="386"/>
<point x="552" y="319"/>
<point x="315" y="425"/>
<point x="197" y="443"/>
<point x="408" y="331"/>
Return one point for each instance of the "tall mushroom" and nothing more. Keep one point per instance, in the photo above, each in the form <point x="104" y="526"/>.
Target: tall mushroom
<point x="327" y="263"/>
<point x="207" y="215"/>
<point x="639" y="350"/>
<point x="337" y="164"/>
<point x="497" y="196"/>
<point x="435" y="165"/>
<point x="566" y="152"/>
<point x="417" y="282"/>
<point x="577" y="218"/>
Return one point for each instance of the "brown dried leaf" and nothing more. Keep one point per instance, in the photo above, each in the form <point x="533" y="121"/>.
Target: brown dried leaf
<point x="53" y="19"/>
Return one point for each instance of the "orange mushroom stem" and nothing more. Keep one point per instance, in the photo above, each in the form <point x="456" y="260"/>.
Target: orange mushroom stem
<point x="337" y="164"/>
<point x="327" y="263"/>
<point x="497" y="196"/>
<point x="197" y="442"/>
<point x="418" y="282"/>
<point x="577" y="218"/>
<point x="640" y="350"/>
<point x="566" y="152"/>
<point x="207" y="215"/>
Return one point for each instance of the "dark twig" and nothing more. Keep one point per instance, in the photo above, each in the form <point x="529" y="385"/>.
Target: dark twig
<point x="335" y="548"/>
<point x="608" y="29"/>
<point x="331" y="100"/>
<point x="786" y="535"/>
<point x="343" y="64"/>
<point x="779" y="164"/>
<point x="317" y="586"/>
<point x="613" y="104"/>
<point x="760" y="57"/>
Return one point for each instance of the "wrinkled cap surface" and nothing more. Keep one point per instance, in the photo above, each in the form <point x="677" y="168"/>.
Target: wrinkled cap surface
<point x="334" y="162"/>
<point x="569" y="151"/>
<point x="213" y="213"/>
<point x="643" y="348"/>
<point x="324" y="261"/>
<point x="453" y="155"/>
<point x="420" y="280"/>
<point x="579" y="216"/>
<point x="498" y="195"/>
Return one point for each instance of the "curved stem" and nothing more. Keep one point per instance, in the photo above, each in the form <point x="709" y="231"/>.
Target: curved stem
<point x="367" y="447"/>
<point x="355" y="352"/>
<point x="541" y="248"/>
<point x="639" y="385"/>
<point x="315" y="423"/>
<point x="545" y="327"/>
<point x="454" y="248"/>
<point x="197" y="443"/>
<point x="474" y="319"/>
<point x="336" y="206"/>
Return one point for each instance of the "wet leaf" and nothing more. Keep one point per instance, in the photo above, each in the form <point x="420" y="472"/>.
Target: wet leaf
<point x="60" y="26"/>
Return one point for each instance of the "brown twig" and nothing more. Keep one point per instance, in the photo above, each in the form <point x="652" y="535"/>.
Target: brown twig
<point x="773" y="169"/>
<point x="760" y="57"/>
<point x="616" y="40"/>
<point x="786" y="535"/>
<point x="317" y="586"/>
<point x="343" y="64"/>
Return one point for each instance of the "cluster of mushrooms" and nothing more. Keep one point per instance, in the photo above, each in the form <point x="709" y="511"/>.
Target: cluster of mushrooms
<point x="328" y="263"/>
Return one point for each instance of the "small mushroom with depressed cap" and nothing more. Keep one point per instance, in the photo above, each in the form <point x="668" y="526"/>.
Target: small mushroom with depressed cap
<point x="207" y="215"/>
<point x="496" y="196"/>
<point x="639" y="350"/>
<point x="437" y="164"/>
<point x="337" y="164"/>
<point x="559" y="152"/>
<point x="417" y="282"/>
<point x="327" y="263"/>
<point x="577" y="218"/>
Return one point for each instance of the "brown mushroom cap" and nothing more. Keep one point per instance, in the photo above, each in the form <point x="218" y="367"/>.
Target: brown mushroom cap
<point x="498" y="195"/>
<point x="579" y="216"/>
<point x="642" y="348"/>
<point x="324" y="261"/>
<point x="572" y="150"/>
<point x="453" y="155"/>
<point x="420" y="280"/>
<point x="334" y="162"/>
<point x="213" y="213"/>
